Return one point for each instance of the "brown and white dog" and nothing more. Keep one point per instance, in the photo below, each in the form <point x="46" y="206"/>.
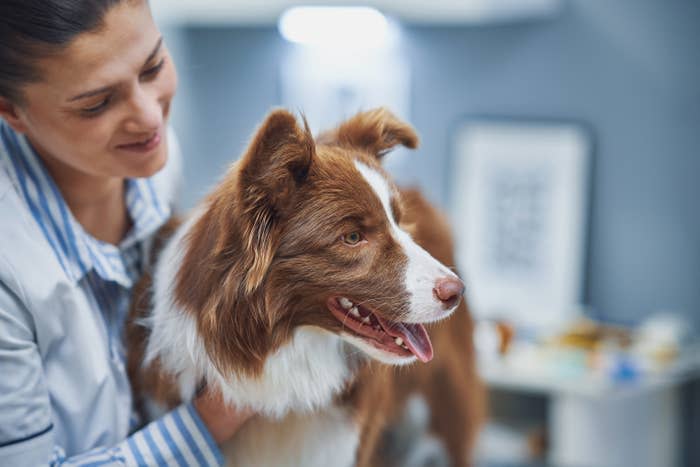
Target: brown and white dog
<point x="288" y="285"/>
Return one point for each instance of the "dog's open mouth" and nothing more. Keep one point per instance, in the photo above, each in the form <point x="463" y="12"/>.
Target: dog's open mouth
<point x="403" y="339"/>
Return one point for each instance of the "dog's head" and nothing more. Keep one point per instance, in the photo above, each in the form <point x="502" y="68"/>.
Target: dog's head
<point x="306" y="232"/>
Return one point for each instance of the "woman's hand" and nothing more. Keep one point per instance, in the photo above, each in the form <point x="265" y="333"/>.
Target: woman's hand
<point x="222" y="420"/>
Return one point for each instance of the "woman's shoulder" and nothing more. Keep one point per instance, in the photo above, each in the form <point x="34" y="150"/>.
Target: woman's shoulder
<point x="22" y="229"/>
<point x="6" y="181"/>
<point x="25" y="256"/>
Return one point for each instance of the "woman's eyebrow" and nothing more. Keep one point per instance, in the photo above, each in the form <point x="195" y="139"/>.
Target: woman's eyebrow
<point x="90" y="93"/>
<point x="103" y="89"/>
<point x="155" y="51"/>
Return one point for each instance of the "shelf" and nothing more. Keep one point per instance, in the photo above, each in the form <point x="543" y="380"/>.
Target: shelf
<point x="547" y="381"/>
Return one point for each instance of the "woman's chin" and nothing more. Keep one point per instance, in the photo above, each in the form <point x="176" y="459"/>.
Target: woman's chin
<point x="146" y="165"/>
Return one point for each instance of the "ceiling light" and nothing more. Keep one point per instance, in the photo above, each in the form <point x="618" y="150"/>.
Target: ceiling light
<point x="341" y="27"/>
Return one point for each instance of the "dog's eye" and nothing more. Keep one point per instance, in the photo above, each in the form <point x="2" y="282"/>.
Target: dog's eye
<point x="352" y="238"/>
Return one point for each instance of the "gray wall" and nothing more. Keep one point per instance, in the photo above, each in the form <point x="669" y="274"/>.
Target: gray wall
<point x="229" y="81"/>
<point x="630" y="69"/>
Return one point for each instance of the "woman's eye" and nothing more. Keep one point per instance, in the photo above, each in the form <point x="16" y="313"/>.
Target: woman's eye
<point x="96" y="109"/>
<point x="353" y="238"/>
<point x="154" y="70"/>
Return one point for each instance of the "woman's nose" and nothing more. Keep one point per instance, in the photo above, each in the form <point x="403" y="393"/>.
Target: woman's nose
<point x="146" y="112"/>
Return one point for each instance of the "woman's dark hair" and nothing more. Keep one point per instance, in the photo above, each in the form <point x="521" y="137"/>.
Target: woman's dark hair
<point x="34" y="29"/>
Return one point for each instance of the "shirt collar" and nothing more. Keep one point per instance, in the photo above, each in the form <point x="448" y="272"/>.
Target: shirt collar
<point x="79" y="252"/>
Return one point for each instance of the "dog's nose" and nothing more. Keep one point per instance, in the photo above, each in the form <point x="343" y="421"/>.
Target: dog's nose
<point x="449" y="291"/>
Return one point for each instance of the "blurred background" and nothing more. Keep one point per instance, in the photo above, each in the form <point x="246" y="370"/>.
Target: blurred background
<point x="562" y="138"/>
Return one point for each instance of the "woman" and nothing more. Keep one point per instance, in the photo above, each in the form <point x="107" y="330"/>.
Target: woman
<point x="85" y="181"/>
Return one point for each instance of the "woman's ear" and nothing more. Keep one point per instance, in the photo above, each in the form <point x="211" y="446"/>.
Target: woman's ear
<point x="11" y="113"/>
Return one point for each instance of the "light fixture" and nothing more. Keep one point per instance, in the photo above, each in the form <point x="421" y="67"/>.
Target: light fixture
<point x="336" y="27"/>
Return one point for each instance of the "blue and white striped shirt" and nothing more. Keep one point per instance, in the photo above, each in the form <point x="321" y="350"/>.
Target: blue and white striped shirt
<point x="64" y="395"/>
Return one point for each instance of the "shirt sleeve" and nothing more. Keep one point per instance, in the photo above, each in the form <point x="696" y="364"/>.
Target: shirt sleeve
<point x="179" y="438"/>
<point x="25" y="411"/>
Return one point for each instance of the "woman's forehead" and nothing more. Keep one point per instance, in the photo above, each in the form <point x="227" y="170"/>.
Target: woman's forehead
<point x="104" y="57"/>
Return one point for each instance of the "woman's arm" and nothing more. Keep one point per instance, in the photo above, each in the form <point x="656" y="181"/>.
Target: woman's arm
<point x="27" y="434"/>
<point x="178" y="438"/>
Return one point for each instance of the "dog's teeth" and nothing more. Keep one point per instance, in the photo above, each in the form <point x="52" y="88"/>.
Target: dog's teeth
<point x="398" y="341"/>
<point x="365" y="320"/>
<point x="345" y="303"/>
<point x="355" y="312"/>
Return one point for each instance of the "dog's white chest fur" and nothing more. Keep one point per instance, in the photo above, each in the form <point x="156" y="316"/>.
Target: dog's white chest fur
<point x="302" y="375"/>
<point x="323" y="438"/>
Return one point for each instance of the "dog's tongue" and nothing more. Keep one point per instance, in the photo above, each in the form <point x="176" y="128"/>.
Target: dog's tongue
<point x="414" y="336"/>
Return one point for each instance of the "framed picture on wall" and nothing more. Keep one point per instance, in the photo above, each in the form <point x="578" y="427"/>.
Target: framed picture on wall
<point x="519" y="202"/>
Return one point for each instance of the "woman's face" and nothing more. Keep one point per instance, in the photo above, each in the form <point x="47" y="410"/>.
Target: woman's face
<point x="102" y="105"/>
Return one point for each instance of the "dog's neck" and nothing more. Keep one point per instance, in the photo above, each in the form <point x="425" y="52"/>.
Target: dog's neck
<point x="305" y="373"/>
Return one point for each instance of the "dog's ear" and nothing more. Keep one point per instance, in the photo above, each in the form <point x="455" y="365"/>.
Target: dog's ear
<point x="279" y="156"/>
<point x="275" y="165"/>
<point x="377" y="131"/>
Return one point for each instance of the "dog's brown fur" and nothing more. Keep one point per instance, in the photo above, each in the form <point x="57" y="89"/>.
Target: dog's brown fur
<point x="449" y="382"/>
<point x="153" y="383"/>
<point x="240" y="252"/>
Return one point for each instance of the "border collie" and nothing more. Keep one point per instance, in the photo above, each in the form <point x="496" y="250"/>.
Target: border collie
<point x="294" y="288"/>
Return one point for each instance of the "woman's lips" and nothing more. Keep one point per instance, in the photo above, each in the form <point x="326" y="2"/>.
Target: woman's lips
<point x="143" y="146"/>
